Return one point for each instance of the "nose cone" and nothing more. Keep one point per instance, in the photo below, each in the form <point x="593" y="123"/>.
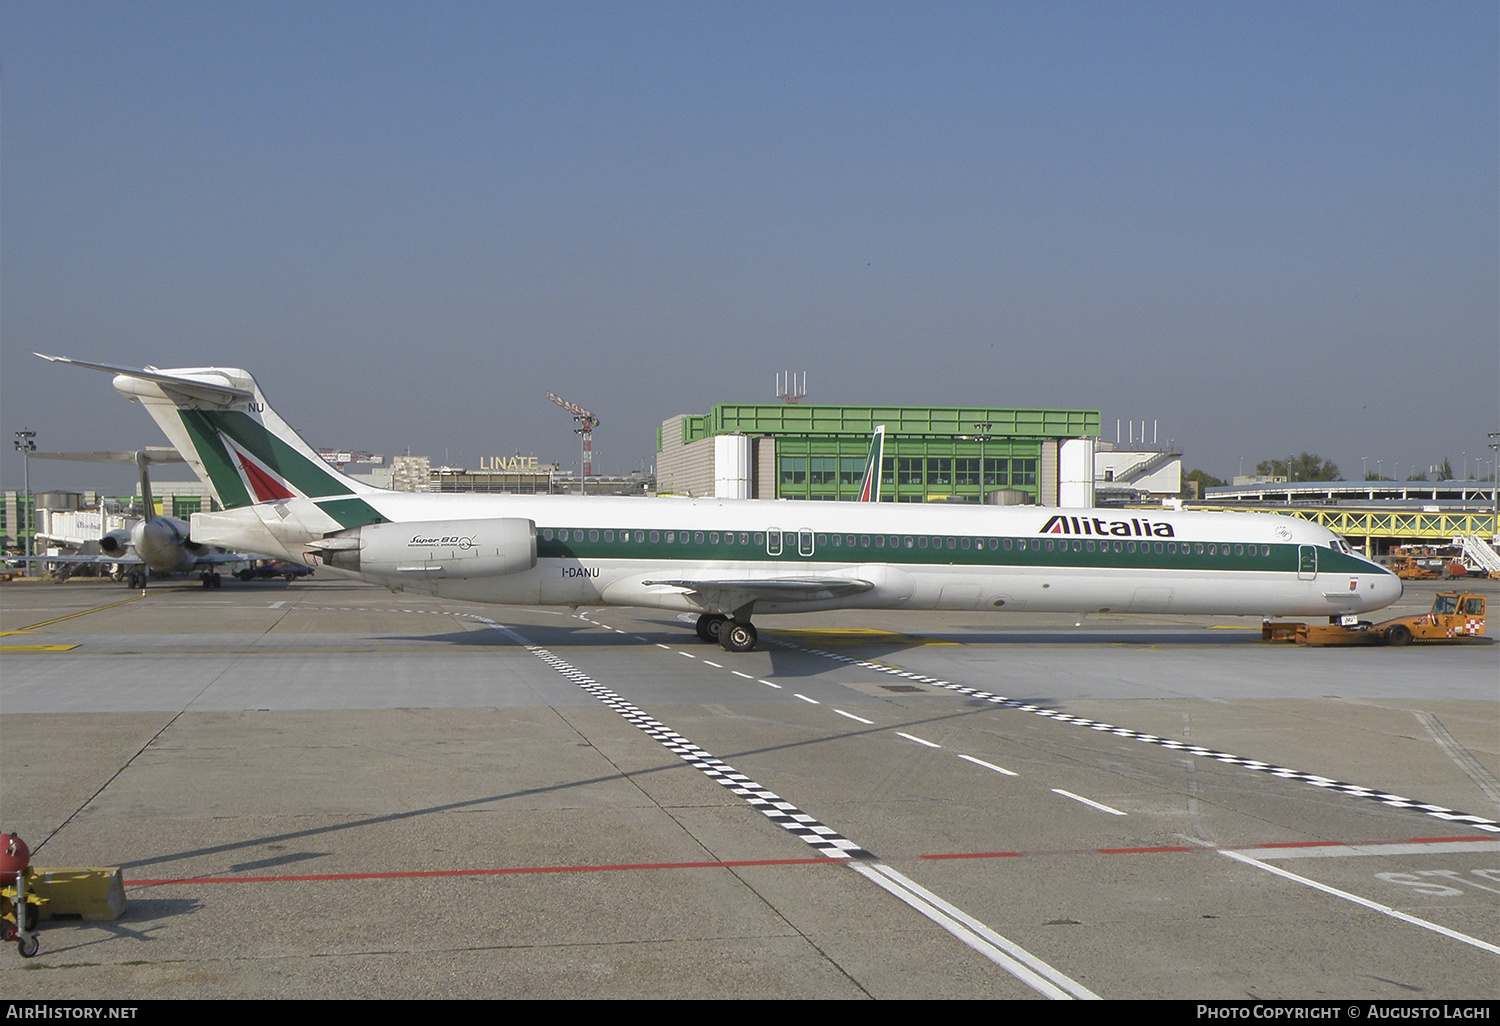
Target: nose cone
<point x="1386" y="589"/>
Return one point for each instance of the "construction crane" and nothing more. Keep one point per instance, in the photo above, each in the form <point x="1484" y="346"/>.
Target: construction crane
<point x="342" y="457"/>
<point x="586" y="422"/>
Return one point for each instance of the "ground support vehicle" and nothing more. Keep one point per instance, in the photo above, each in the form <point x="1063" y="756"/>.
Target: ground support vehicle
<point x="1455" y="616"/>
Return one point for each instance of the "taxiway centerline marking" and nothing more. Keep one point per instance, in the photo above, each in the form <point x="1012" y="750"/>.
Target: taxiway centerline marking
<point x="1286" y="773"/>
<point x="1016" y="960"/>
<point x="83" y="612"/>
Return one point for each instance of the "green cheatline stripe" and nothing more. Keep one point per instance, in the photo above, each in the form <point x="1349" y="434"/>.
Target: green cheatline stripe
<point x="1282" y="558"/>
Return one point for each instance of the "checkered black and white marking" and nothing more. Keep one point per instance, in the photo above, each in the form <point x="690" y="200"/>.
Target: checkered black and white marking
<point x="1354" y="790"/>
<point x="824" y="840"/>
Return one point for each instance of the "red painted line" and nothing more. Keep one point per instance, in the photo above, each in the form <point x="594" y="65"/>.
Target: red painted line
<point x="419" y="873"/>
<point x="522" y="870"/>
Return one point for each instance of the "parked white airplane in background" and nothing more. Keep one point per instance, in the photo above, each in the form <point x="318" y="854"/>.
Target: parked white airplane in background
<point x="728" y="559"/>
<point x="155" y="543"/>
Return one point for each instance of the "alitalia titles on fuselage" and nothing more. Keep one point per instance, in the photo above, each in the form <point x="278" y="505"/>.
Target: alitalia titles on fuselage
<point x="1132" y="528"/>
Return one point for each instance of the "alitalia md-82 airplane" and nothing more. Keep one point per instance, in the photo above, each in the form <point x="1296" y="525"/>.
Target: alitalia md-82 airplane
<point x="729" y="559"/>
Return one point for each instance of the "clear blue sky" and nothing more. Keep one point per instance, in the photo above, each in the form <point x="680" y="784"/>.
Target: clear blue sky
<point x="1270" y="227"/>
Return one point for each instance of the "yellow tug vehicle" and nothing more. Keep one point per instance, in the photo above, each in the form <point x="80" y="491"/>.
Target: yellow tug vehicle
<point x="1455" y="616"/>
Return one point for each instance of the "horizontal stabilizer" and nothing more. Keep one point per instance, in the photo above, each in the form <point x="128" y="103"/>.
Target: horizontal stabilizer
<point x="152" y="454"/>
<point x="192" y="388"/>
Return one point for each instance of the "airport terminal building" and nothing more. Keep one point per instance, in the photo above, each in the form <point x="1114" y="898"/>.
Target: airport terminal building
<point x="932" y="453"/>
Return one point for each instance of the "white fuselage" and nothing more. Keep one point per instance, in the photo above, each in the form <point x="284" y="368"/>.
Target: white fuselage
<point x="911" y="556"/>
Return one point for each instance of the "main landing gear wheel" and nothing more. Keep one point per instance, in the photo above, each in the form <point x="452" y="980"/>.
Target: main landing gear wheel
<point x="709" y="626"/>
<point x="738" y="637"/>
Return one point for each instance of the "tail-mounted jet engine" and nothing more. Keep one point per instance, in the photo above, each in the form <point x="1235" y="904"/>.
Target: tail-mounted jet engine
<point x="115" y="543"/>
<point x="433" y="549"/>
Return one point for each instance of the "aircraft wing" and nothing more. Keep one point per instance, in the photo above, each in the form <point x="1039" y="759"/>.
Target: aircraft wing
<point x="130" y="560"/>
<point x="735" y="593"/>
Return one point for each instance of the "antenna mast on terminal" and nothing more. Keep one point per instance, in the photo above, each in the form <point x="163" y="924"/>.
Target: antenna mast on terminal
<point x="787" y="389"/>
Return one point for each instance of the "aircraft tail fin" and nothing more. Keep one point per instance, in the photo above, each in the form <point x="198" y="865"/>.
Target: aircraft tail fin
<point x="217" y="418"/>
<point x="870" y="490"/>
<point x="148" y="502"/>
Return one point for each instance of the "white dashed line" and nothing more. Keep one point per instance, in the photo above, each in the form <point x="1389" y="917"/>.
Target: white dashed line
<point x="858" y="719"/>
<point x="988" y="765"/>
<point x="804" y="698"/>
<point x="1081" y="798"/>
<point x="913" y="737"/>
<point x="770" y="685"/>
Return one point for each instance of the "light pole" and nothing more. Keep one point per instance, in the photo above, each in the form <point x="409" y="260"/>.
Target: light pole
<point x="26" y="445"/>
<point x="1495" y="486"/>
<point x="984" y="427"/>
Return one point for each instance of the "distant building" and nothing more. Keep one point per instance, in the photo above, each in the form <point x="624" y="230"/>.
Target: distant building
<point x="1136" y="472"/>
<point x="795" y="451"/>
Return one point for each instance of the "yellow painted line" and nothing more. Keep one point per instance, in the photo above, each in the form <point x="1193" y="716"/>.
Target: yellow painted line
<point x="36" y="648"/>
<point x="85" y="612"/>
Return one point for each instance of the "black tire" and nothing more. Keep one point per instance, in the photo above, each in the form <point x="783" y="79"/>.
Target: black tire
<point x="709" y="626"/>
<point x="1398" y="636"/>
<point x="28" y="946"/>
<point x="290" y="577"/>
<point x="738" y="637"/>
